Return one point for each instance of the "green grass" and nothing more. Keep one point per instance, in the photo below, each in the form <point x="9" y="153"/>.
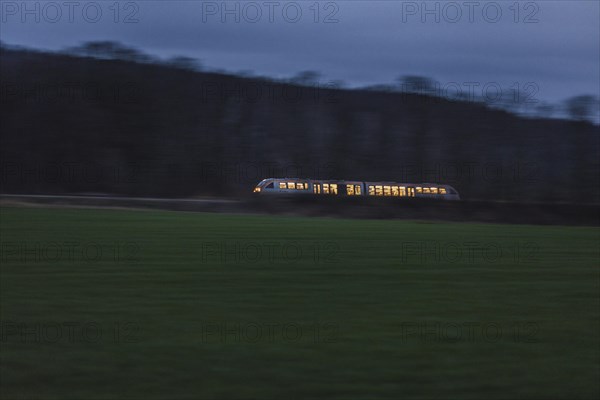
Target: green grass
<point x="367" y="289"/>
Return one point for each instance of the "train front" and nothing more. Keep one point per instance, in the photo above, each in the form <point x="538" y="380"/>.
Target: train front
<point x="261" y="185"/>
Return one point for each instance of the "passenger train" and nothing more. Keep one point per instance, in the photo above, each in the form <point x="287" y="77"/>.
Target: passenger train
<point x="296" y="186"/>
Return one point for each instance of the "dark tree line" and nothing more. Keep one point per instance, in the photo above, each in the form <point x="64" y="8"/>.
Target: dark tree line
<point x="108" y="119"/>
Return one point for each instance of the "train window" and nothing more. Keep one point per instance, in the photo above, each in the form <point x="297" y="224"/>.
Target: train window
<point x="330" y="188"/>
<point x="426" y="190"/>
<point x="402" y="191"/>
<point x="419" y="189"/>
<point x="317" y="188"/>
<point x="357" y="190"/>
<point x="350" y="190"/>
<point x="442" y="191"/>
<point x="291" y="185"/>
<point x="434" y="190"/>
<point x="282" y="185"/>
<point x="378" y="190"/>
<point x="387" y="191"/>
<point x="395" y="191"/>
<point x="269" y="186"/>
<point x="371" y="190"/>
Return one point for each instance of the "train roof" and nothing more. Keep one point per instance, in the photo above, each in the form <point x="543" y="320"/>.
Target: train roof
<point x="359" y="181"/>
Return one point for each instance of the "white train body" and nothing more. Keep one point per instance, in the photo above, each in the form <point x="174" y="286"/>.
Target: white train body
<point x="298" y="186"/>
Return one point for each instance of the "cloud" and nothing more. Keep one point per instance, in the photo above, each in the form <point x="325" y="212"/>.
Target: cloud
<point x="360" y="42"/>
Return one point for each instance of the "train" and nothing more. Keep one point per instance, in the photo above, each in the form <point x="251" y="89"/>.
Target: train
<point x="299" y="186"/>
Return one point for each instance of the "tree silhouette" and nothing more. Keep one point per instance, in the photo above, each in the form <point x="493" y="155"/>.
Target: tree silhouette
<point x="110" y="50"/>
<point x="306" y="78"/>
<point x="545" y="110"/>
<point x="416" y="84"/>
<point x="185" y="63"/>
<point x="155" y="130"/>
<point x="581" y="108"/>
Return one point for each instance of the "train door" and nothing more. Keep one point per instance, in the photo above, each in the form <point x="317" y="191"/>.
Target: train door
<point x="410" y="192"/>
<point x="317" y="189"/>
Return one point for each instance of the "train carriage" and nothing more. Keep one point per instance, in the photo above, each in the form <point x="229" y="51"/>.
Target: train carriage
<point x="299" y="186"/>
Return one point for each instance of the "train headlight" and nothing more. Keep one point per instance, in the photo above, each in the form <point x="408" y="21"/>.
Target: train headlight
<point x="256" y="190"/>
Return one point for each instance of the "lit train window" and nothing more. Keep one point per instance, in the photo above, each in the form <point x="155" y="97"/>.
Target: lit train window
<point x="378" y="190"/>
<point x="317" y="188"/>
<point x="330" y="188"/>
<point x="434" y="190"/>
<point x="395" y="191"/>
<point x="442" y="191"/>
<point x="402" y="191"/>
<point x="426" y="190"/>
<point x="350" y="190"/>
<point x="371" y="190"/>
<point x="387" y="191"/>
<point x="282" y="185"/>
<point x="357" y="190"/>
<point x="291" y="185"/>
<point x="419" y="190"/>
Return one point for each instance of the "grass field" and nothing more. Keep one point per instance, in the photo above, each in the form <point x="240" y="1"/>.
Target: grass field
<point x="139" y="304"/>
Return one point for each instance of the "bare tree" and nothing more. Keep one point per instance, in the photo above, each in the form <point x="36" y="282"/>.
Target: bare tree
<point x="416" y="84"/>
<point x="581" y="108"/>
<point x="545" y="110"/>
<point x="185" y="63"/>
<point x="306" y="78"/>
<point x="110" y="50"/>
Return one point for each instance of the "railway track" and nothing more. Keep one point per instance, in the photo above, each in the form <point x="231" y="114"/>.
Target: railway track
<point x="372" y="208"/>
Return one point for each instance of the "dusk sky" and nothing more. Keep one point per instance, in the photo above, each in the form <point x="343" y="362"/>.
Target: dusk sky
<point x="554" y="44"/>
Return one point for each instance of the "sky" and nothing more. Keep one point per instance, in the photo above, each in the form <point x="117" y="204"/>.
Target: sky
<point x="549" y="49"/>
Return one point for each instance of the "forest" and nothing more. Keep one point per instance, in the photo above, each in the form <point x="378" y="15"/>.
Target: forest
<point x="106" y="119"/>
